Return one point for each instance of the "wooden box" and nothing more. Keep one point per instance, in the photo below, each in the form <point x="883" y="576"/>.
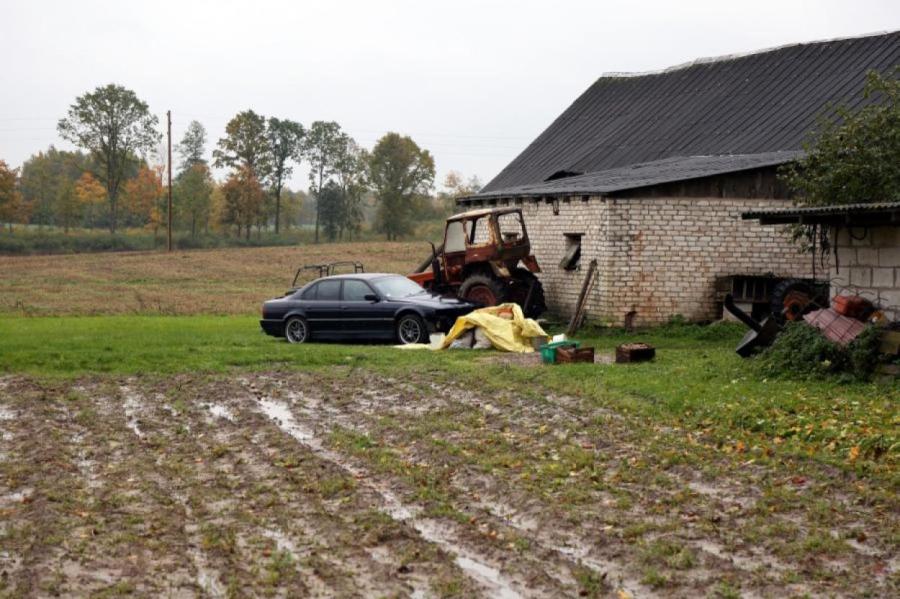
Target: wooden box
<point x="568" y="355"/>
<point x="634" y="352"/>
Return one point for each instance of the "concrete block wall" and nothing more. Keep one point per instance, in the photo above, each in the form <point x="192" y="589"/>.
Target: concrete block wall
<point x="657" y="257"/>
<point x="676" y="248"/>
<point x="868" y="264"/>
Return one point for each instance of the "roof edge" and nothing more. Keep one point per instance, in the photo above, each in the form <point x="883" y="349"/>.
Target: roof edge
<point x="735" y="56"/>
<point x="518" y="191"/>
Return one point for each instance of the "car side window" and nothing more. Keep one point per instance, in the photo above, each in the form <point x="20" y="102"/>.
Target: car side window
<point x="328" y="290"/>
<point x="356" y="291"/>
<point x="310" y="294"/>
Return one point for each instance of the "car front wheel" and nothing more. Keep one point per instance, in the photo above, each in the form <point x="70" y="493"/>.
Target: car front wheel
<point x="296" y="330"/>
<point x="411" y="329"/>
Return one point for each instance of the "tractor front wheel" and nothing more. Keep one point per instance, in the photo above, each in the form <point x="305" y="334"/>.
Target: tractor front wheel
<point x="484" y="290"/>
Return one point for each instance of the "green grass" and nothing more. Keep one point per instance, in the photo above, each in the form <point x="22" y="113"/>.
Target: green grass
<point x="696" y="385"/>
<point x="79" y="345"/>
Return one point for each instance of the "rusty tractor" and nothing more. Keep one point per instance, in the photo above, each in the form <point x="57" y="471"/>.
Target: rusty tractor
<point x="485" y="258"/>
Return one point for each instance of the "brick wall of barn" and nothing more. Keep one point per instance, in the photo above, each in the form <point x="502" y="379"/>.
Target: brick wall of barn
<point x="675" y="248"/>
<point x="657" y="256"/>
<point x="548" y="234"/>
<point x="869" y="265"/>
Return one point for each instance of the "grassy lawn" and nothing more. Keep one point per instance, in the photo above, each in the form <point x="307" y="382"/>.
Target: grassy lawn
<point x="696" y="384"/>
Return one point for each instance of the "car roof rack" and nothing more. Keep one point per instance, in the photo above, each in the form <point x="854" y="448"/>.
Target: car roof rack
<point x="328" y="269"/>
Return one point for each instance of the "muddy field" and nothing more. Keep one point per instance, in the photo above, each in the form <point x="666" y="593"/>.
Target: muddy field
<point x="349" y="484"/>
<point x="224" y="281"/>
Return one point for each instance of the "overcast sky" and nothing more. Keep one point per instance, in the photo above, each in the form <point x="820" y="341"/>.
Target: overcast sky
<point x="472" y="81"/>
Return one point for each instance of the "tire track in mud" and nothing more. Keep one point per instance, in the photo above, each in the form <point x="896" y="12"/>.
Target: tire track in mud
<point x="226" y="514"/>
<point x="568" y="548"/>
<point x="475" y="566"/>
<point x="560" y="560"/>
<point x="88" y="532"/>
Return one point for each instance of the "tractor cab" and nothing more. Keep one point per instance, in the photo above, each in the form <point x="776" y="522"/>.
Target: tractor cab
<point x="485" y="258"/>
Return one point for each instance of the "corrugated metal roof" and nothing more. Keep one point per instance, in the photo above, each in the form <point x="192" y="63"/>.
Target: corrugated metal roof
<point x="754" y="104"/>
<point x="871" y="214"/>
<point x="645" y="174"/>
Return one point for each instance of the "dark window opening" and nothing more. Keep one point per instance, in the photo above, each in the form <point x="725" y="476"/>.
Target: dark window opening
<point x="562" y="175"/>
<point x="572" y="257"/>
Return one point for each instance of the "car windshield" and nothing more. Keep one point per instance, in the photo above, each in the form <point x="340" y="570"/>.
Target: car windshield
<point x="397" y="287"/>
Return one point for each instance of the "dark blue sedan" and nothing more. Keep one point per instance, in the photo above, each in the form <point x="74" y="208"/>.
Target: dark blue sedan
<point x="361" y="306"/>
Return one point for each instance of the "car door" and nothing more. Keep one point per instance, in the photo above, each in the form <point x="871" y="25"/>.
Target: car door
<point x="323" y="308"/>
<point x="361" y="316"/>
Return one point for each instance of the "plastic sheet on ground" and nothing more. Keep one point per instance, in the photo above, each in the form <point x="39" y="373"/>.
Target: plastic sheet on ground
<point x="514" y="334"/>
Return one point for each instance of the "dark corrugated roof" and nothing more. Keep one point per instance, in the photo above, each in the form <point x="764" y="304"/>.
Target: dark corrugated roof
<point x="754" y="104"/>
<point x="645" y="174"/>
<point x="872" y="214"/>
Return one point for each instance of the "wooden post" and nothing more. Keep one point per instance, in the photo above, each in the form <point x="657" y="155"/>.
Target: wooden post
<point x="578" y="315"/>
<point x="169" y="232"/>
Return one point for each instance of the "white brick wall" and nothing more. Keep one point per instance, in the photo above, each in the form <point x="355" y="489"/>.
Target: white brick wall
<point x="869" y="265"/>
<point x="657" y="257"/>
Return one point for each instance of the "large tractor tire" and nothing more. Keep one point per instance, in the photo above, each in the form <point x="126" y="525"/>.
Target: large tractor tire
<point x="484" y="289"/>
<point x="522" y="281"/>
<point x="791" y="299"/>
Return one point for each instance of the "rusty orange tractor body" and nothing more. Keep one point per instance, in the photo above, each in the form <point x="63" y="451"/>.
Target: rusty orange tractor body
<point x="485" y="258"/>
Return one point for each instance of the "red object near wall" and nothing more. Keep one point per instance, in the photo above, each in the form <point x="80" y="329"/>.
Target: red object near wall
<point x="852" y="306"/>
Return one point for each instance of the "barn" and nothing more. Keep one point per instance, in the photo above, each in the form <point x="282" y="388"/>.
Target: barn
<point x="648" y="174"/>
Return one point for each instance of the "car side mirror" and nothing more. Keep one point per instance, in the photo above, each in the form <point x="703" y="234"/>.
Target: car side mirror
<point x="371" y="297"/>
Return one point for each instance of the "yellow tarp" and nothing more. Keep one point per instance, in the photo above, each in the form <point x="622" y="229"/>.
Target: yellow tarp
<point x="504" y="334"/>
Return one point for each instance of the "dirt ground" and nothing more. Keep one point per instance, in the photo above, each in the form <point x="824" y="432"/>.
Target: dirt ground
<point x="223" y="281"/>
<point x="351" y="484"/>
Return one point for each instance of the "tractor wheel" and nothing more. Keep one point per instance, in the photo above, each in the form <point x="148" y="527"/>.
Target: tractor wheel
<point x="484" y="290"/>
<point x="523" y="279"/>
<point x="791" y="299"/>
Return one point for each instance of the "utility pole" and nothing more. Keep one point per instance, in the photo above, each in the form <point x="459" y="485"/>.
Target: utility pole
<point x="169" y="119"/>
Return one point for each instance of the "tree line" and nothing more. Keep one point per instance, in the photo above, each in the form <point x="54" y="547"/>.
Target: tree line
<point x="116" y="177"/>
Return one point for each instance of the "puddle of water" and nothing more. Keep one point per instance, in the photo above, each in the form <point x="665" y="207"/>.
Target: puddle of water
<point x="207" y="579"/>
<point x="16" y="496"/>
<point x="282" y="542"/>
<point x="6" y="413"/>
<point x="748" y="563"/>
<point x="477" y="569"/>
<point x="131" y="405"/>
<point x="220" y="411"/>
<point x="703" y="488"/>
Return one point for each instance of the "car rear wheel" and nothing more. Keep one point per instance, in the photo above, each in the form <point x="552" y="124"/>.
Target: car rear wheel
<point x="411" y="329"/>
<point x="296" y="330"/>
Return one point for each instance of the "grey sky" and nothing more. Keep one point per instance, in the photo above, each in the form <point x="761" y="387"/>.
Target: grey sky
<point x="474" y="82"/>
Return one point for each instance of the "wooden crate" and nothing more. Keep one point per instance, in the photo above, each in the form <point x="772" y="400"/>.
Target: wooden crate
<point x="568" y="355"/>
<point x="634" y="352"/>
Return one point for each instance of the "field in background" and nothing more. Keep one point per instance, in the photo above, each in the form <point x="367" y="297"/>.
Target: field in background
<point x="223" y="281"/>
<point x="33" y="240"/>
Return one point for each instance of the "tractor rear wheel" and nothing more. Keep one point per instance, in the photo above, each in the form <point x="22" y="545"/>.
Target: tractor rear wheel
<point x="522" y="281"/>
<point x="791" y="299"/>
<point x="483" y="289"/>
